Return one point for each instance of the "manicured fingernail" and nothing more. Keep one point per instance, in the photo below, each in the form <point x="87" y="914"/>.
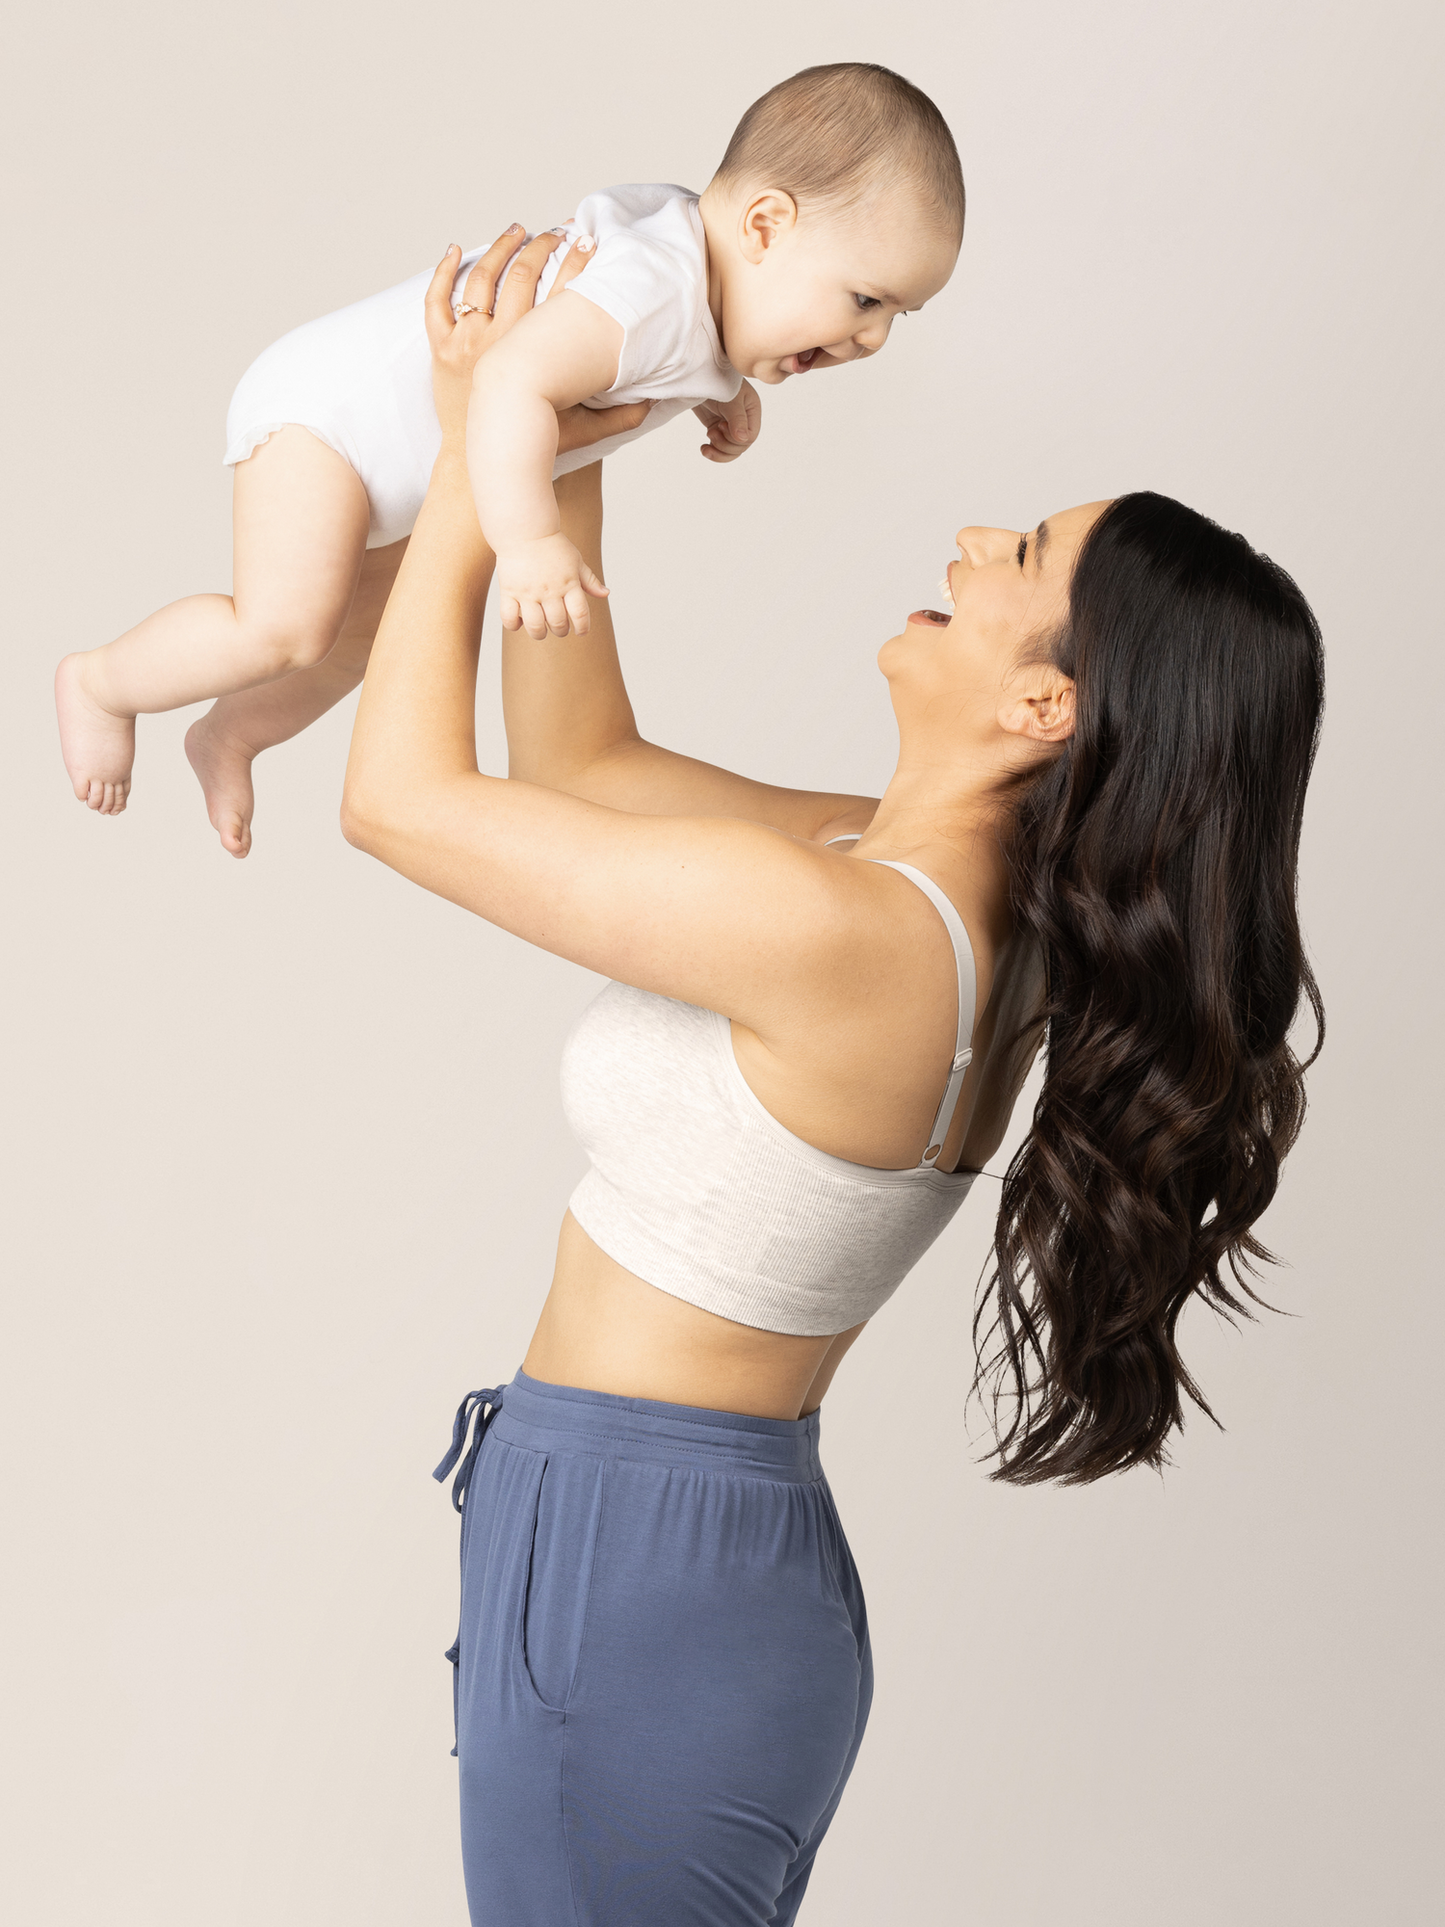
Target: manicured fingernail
<point x="515" y="228"/>
<point x="585" y="244"/>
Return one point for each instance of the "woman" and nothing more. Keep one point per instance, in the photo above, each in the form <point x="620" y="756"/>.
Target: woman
<point x="822" y="1012"/>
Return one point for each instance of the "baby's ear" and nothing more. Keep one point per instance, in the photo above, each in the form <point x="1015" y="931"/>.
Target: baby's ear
<point x="766" y="219"/>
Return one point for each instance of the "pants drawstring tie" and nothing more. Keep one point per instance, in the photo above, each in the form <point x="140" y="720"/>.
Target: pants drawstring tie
<point x="483" y="1407"/>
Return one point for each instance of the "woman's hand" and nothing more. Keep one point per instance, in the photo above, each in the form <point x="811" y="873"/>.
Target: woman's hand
<point x="458" y="342"/>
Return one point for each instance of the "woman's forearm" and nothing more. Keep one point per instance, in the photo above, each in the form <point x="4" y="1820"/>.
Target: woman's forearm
<point x="570" y="724"/>
<point x="415" y="728"/>
<point x="564" y="701"/>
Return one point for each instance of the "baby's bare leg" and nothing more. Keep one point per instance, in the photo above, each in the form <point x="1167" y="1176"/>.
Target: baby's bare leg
<point x="235" y="730"/>
<point x="300" y="520"/>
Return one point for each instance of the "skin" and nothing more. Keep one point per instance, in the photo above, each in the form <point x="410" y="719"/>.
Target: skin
<point x="793" y="293"/>
<point x="788" y="293"/>
<point x="685" y="879"/>
<point x="293" y="636"/>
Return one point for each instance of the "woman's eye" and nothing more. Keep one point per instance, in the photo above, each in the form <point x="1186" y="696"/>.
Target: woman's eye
<point x="1022" y="549"/>
<point x="867" y="301"/>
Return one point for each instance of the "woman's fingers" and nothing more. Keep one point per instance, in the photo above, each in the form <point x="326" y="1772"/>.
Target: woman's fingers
<point x="481" y="285"/>
<point x="519" y="290"/>
<point x="439" y="318"/>
<point x="577" y="257"/>
<point x="580" y="427"/>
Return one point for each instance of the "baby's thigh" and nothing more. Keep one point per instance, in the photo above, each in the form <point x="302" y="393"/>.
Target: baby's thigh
<point x="300" y="518"/>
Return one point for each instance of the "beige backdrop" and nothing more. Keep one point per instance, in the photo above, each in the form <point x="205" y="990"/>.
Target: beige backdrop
<point x="284" y="1152"/>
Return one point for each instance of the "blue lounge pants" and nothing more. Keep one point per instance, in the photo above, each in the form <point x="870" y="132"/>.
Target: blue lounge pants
<point x="662" y="1672"/>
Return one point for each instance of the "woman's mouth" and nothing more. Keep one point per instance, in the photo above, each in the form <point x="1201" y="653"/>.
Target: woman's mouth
<point x="931" y="618"/>
<point x="800" y="363"/>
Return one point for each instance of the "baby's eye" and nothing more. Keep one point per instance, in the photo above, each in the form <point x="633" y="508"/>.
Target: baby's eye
<point x="867" y="301"/>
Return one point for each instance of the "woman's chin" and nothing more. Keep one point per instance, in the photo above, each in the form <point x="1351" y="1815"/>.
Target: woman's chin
<point x="934" y="621"/>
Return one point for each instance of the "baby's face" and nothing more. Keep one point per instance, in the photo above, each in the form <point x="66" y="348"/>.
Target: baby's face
<point x="826" y="289"/>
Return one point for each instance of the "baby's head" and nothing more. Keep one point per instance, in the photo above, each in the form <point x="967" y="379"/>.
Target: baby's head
<point x="838" y="205"/>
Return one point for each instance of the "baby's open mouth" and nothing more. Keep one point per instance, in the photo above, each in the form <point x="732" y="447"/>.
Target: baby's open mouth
<point x="803" y="361"/>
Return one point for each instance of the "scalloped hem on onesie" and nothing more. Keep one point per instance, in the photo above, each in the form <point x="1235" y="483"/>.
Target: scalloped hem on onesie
<point x="246" y="444"/>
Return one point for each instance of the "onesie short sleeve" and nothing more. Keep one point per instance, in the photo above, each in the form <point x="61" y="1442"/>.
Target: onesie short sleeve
<point x="650" y="274"/>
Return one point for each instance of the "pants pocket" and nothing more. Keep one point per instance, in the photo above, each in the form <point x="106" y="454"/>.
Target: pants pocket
<point x="559" y="1575"/>
<point x="453" y="1653"/>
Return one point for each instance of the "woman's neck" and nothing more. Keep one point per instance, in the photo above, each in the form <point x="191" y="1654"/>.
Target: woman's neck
<point x="925" y="805"/>
<point x="950" y="829"/>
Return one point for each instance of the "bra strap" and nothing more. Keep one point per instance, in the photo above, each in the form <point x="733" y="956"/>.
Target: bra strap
<point x="967" y="998"/>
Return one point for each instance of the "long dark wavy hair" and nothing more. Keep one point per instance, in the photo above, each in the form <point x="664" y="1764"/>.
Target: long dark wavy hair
<point x="1155" y="862"/>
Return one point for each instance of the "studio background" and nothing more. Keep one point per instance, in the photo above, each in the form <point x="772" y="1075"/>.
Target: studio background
<point x="284" y="1155"/>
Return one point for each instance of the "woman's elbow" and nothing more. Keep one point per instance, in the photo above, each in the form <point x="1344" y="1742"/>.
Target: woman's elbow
<point x="360" y="822"/>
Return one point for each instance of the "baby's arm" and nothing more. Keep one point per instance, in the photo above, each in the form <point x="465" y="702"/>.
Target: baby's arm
<point x="556" y="356"/>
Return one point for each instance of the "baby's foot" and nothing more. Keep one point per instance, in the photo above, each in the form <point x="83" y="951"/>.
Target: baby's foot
<point x="98" y="746"/>
<point x="224" y="768"/>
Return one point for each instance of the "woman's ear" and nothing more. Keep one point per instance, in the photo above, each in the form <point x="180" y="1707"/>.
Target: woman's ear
<point x="1040" y="707"/>
<point x="765" y="219"/>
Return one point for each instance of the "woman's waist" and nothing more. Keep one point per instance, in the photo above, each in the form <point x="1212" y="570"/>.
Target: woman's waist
<point x="605" y="1329"/>
<point x="539" y="1415"/>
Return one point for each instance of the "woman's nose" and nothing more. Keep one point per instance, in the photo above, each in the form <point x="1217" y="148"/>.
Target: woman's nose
<point x="980" y="545"/>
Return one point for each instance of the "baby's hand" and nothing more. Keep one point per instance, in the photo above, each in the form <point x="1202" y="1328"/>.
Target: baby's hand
<point x="732" y="426"/>
<point x="545" y="585"/>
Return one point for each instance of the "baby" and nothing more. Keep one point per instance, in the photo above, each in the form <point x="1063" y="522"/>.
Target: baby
<point x="838" y="205"/>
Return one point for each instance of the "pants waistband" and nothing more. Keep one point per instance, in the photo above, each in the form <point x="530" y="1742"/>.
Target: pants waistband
<point x="563" y="1418"/>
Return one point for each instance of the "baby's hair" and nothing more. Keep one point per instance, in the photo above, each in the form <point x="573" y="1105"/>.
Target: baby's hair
<point x="830" y="135"/>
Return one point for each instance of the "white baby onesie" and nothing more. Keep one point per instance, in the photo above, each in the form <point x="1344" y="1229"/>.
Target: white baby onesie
<point x="360" y="379"/>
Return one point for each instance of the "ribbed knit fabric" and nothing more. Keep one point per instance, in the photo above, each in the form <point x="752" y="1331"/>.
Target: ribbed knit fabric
<point x="698" y="1189"/>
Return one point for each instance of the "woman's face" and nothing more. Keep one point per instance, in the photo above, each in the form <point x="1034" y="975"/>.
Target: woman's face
<point x="975" y="672"/>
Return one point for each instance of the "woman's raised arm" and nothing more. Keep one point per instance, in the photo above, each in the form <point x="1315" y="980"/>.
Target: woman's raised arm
<point x="709" y="908"/>
<point x="570" y="724"/>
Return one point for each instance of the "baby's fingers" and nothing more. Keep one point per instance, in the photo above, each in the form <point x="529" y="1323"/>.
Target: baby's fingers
<point x="511" y="612"/>
<point x="577" y="611"/>
<point x="592" y="583"/>
<point x="534" y="620"/>
<point x="720" y="447"/>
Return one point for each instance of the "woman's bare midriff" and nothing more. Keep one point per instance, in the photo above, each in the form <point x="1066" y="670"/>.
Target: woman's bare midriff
<point x="603" y="1329"/>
